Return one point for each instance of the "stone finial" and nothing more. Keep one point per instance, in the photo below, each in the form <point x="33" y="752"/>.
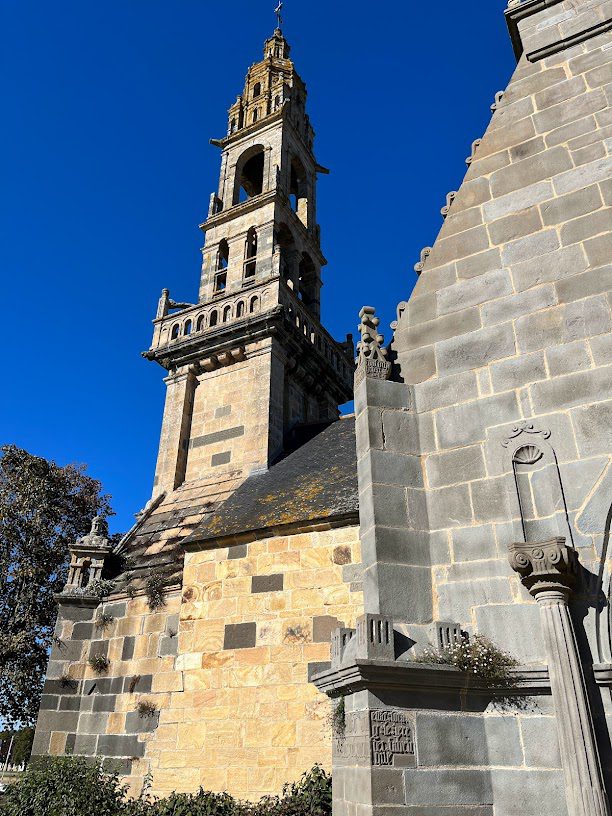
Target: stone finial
<point x="544" y="565"/>
<point x="450" y="197"/>
<point x="475" y="145"/>
<point x="425" y="253"/>
<point x="371" y="356"/>
<point x="498" y="98"/>
<point x="162" y="306"/>
<point x="87" y="556"/>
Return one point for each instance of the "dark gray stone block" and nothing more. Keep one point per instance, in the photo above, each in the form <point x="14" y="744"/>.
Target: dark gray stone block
<point x="135" y="724"/>
<point x="98" y="648"/>
<point x="447" y="787"/>
<point x="168" y="646"/>
<point x="445" y="391"/>
<point x="465" y="424"/>
<point x="573" y="389"/>
<point x="221" y="458"/>
<point x="85" y="745"/>
<point x="474" y="543"/>
<point x="510" y="374"/>
<point x="457" y="600"/>
<point x="240" y="635"/>
<point x="317" y="666"/>
<point x="593" y="426"/>
<point x="127" y="652"/>
<point x="475" y="349"/>
<point x="57" y="721"/>
<point x="492" y="499"/>
<point x="514" y="620"/>
<point x="49" y="702"/>
<point x="388" y="507"/>
<point x="267" y="583"/>
<point x="449" y="507"/>
<point x="516" y="793"/>
<point x="92" y="723"/>
<point x="465" y="740"/>
<point x="82" y="631"/>
<point x="120" y="746"/>
<point x="104" y="702"/>
<point x="237" y="551"/>
<point x="395" y="468"/>
<point x="123" y="767"/>
<point x="217" y="436"/>
<point x="385" y="585"/>
<point x="70" y="743"/>
<point x="222" y="411"/>
<point x="540" y="742"/>
<point x="452" y="467"/>
<point x="474" y="291"/>
<point x="69" y="703"/>
<point x="388" y="786"/>
<point x="143" y="686"/>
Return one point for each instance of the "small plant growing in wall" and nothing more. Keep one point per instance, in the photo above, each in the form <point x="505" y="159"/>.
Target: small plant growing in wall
<point x="478" y="656"/>
<point x="154" y="588"/>
<point x="99" y="663"/>
<point x="337" y="718"/>
<point x="146" y="708"/>
<point x="68" y="682"/>
<point x="103" y="620"/>
<point x="134" y="682"/>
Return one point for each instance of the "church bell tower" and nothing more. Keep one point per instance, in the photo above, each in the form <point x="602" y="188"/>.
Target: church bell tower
<point x="250" y="360"/>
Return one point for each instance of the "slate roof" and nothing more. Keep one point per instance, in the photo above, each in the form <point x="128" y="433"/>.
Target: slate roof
<point x="318" y="481"/>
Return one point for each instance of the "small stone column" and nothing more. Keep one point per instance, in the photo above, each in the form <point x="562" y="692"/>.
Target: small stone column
<point x="548" y="570"/>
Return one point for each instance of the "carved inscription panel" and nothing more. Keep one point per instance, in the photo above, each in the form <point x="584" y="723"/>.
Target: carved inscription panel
<point x="381" y="738"/>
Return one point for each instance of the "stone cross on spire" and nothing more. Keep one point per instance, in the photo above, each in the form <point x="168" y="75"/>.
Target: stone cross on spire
<point x="277" y="11"/>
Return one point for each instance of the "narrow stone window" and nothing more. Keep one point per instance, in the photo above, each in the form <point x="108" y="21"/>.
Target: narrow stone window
<point x="253" y="304"/>
<point x="255" y="114"/>
<point x="214" y="317"/>
<point x="232" y="126"/>
<point x="187" y="327"/>
<point x="277" y="102"/>
<point x="227" y="313"/>
<point x="298" y="190"/>
<point x="240" y="309"/>
<point x="222" y="261"/>
<point x="176" y="330"/>
<point x="256" y="89"/>
<point x="201" y="322"/>
<point x="250" y="254"/>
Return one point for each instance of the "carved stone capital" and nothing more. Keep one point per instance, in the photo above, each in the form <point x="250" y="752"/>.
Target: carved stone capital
<point x="545" y="566"/>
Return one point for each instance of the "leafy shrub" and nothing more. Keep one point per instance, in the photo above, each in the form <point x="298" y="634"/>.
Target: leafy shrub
<point x="74" y="786"/>
<point x="145" y="708"/>
<point x="103" y="620"/>
<point x="65" y="786"/>
<point x="154" y="588"/>
<point x="337" y="718"/>
<point x="99" y="663"/>
<point x="478" y="656"/>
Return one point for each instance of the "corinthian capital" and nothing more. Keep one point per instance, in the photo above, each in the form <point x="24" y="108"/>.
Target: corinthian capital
<point x="544" y="565"/>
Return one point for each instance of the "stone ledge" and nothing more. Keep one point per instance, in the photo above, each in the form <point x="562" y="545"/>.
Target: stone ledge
<point x="420" y="677"/>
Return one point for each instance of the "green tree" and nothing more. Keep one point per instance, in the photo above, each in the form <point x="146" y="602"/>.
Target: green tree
<point x="43" y="508"/>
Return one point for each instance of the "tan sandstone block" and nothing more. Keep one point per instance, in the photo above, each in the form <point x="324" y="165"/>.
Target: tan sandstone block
<point x="316" y="557"/>
<point x="214" y="660"/>
<point x="208" y="636"/>
<point x="168" y="681"/>
<point x="283" y="734"/>
<point x="57" y="745"/>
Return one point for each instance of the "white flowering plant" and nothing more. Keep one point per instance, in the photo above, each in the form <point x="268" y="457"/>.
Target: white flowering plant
<point x="478" y="656"/>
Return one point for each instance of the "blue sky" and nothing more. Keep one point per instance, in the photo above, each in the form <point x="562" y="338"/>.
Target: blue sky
<point x="107" y="171"/>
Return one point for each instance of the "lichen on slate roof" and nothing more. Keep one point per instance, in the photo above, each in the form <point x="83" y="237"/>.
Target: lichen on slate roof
<point x="318" y="481"/>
